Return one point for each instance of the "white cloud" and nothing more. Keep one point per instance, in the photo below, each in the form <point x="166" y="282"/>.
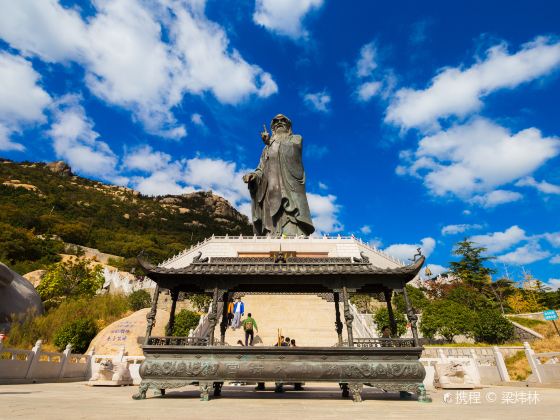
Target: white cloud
<point x="324" y="212"/>
<point x="368" y="90"/>
<point x="500" y="241"/>
<point x="525" y="254"/>
<point x="457" y="91"/>
<point x="366" y="229"/>
<point x="145" y="159"/>
<point x="221" y="176"/>
<point x="126" y="61"/>
<point x="22" y="100"/>
<point x="166" y="180"/>
<point x="555" y="260"/>
<point x="6" y="143"/>
<point x="197" y="120"/>
<point x="477" y="157"/>
<point x="284" y="17"/>
<point x="496" y="198"/>
<point x="553" y="238"/>
<point x="554" y="284"/>
<point x="75" y="141"/>
<point x="187" y="175"/>
<point x="543" y="186"/>
<point x="366" y="63"/>
<point x="455" y="229"/>
<point x="318" y="101"/>
<point x="364" y="78"/>
<point x="405" y="252"/>
<point x="323" y="186"/>
<point x="375" y="243"/>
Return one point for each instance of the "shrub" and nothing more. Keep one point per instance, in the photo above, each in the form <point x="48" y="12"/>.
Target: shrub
<point x="26" y="330"/>
<point x="139" y="299"/>
<point x="448" y="319"/>
<point x="184" y="322"/>
<point x="492" y="327"/>
<point x="381" y="318"/>
<point x="78" y="333"/>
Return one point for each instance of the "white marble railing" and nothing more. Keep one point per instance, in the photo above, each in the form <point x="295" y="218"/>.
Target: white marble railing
<point x="37" y="365"/>
<point x="361" y="327"/>
<point x="311" y="239"/>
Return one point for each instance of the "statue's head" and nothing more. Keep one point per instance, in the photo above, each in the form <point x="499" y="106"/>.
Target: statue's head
<point x="281" y="124"/>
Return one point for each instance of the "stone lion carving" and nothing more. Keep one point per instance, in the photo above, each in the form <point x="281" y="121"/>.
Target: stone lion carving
<point x="108" y="372"/>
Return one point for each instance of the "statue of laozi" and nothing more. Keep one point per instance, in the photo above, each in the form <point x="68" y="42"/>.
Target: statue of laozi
<point x="277" y="186"/>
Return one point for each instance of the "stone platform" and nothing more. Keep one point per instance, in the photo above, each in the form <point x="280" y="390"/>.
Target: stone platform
<point x="317" y="401"/>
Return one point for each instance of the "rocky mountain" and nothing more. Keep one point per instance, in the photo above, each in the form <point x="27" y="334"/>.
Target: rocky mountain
<point x="44" y="202"/>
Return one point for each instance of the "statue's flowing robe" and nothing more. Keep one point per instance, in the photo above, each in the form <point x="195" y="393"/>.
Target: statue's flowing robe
<point x="279" y="201"/>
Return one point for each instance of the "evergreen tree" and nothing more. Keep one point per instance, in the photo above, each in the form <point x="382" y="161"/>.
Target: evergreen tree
<point x="470" y="269"/>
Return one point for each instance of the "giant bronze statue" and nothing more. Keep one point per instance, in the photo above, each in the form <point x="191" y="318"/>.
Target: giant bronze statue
<point x="277" y="186"/>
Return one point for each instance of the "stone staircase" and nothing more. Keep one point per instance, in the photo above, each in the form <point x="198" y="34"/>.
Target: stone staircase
<point x="308" y="319"/>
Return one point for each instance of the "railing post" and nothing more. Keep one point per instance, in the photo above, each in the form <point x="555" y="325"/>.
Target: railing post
<point x="91" y="363"/>
<point x="65" y="358"/>
<point x="533" y="361"/>
<point x="36" y="352"/>
<point x="501" y="364"/>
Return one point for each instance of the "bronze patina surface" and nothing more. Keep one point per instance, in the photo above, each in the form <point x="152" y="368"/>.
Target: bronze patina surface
<point x="277" y="185"/>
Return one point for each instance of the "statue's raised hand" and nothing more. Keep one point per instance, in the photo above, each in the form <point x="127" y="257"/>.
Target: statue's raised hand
<point x="265" y="136"/>
<point x="250" y="177"/>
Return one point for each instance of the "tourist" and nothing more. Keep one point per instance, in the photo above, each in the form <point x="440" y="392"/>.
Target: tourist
<point x="280" y="341"/>
<point x="286" y="342"/>
<point x="385" y="336"/>
<point x="238" y="311"/>
<point x="250" y="326"/>
<point x="293" y="343"/>
<point x="385" y="332"/>
<point x="229" y="314"/>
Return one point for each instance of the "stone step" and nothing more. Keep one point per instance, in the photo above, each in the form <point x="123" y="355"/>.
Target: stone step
<point x="308" y="319"/>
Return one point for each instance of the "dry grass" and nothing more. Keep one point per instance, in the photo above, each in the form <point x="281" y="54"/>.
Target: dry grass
<point x="518" y="365"/>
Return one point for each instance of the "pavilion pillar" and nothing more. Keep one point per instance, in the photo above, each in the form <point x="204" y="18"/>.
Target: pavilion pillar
<point x="174" y="296"/>
<point x="338" y="322"/>
<point x="348" y="317"/>
<point x="213" y="317"/>
<point x="393" y="324"/>
<point x="224" y="323"/>
<point x="151" y="317"/>
<point x="412" y="317"/>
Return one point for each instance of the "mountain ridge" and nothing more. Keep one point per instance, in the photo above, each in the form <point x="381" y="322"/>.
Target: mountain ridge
<point x="46" y="200"/>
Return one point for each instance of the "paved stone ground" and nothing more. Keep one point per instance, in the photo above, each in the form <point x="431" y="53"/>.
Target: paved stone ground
<point x="78" y="401"/>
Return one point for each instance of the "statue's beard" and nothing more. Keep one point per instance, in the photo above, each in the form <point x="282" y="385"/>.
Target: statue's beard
<point x="281" y="133"/>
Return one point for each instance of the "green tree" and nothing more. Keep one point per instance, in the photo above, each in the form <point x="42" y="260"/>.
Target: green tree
<point x="70" y="279"/>
<point x="78" y="333"/>
<point x="139" y="299"/>
<point x="184" y="322"/>
<point x="492" y="327"/>
<point x="448" y="319"/>
<point x="469" y="296"/>
<point x="417" y="298"/>
<point x="470" y="269"/>
<point x="381" y="319"/>
<point x="363" y="302"/>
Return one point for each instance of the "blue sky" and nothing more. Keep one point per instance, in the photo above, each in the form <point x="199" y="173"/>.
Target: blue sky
<point x="423" y="122"/>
